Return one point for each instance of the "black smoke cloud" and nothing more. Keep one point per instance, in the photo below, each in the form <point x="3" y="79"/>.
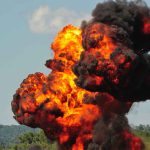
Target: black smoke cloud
<point x="128" y="16"/>
<point x="120" y="79"/>
<point x="129" y="63"/>
<point x="109" y="134"/>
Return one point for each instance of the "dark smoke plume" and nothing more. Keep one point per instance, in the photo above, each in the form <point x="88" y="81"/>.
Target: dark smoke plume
<point x="129" y="17"/>
<point x="113" y="134"/>
<point x="124" y="24"/>
<point x="116" y="65"/>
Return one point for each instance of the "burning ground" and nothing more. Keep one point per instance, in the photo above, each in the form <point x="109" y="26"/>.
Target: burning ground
<point x="98" y="72"/>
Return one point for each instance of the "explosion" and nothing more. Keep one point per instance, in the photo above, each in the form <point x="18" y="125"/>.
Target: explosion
<point x="98" y="72"/>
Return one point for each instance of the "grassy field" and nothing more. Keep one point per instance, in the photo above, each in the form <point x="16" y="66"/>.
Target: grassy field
<point x="145" y="137"/>
<point x="147" y="142"/>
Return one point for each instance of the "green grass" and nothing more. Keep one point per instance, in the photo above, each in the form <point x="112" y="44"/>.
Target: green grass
<point x="145" y="137"/>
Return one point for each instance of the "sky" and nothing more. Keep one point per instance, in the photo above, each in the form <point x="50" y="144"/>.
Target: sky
<point x="27" y="27"/>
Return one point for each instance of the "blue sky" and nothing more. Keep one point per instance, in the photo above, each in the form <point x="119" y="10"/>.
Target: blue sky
<point x="26" y="30"/>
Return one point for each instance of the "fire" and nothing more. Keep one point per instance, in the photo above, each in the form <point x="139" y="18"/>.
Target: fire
<point x="133" y="142"/>
<point x="98" y="41"/>
<point x="67" y="46"/>
<point x="146" y="28"/>
<point x="97" y="73"/>
<point x="54" y="102"/>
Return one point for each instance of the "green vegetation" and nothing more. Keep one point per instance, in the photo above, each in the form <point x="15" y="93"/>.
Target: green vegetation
<point x="144" y="132"/>
<point x="9" y="134"/>
<point x="24" y="138"/>
<point x="33" y="140"/>
<point x="145" y="137"/>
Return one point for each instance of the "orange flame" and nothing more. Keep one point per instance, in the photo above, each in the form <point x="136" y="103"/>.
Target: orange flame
<point x="55" y="100"/>
<point x="55" y="103"/>
<point x="146" y="28"/>
<point x="99" y="34"/>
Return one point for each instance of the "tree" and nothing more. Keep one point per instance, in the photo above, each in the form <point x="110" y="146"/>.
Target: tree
<point x="33" y="138"/>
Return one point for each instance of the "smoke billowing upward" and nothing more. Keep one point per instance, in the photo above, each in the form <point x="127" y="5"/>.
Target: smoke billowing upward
<point x="114" y="42"/>
<point x="98" y="71"/>
<point x="132" y="18"/>
<point x="116" y="64"/>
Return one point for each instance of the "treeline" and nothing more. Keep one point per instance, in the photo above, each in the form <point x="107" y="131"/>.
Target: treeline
<point x="31" y="141"/>
<point x="9" y="134"/>
<point x="143" y="131"/>
<point x="24" y="138"/>
<point x="143" y="128"/>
